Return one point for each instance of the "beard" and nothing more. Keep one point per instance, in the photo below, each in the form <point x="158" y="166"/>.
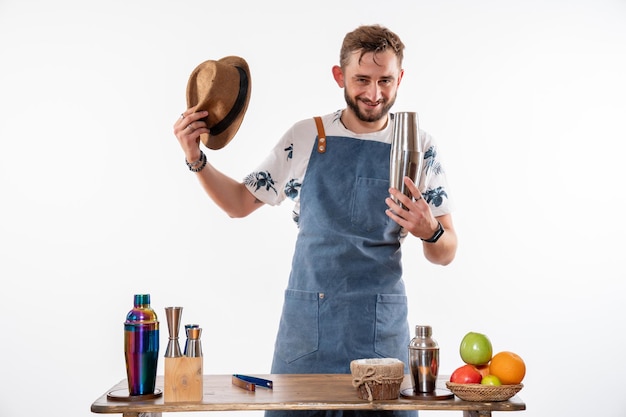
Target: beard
<point x="369" y="116"/>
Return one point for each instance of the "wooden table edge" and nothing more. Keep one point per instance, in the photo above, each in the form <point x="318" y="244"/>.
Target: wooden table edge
<point x="263" y="399"/>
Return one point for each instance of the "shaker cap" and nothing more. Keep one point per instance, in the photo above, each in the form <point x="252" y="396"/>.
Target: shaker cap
<point x="142" y="314"/>
<point x="423" y="331"/>
<point x="423" y="339"/>
<point x="142" y="299"/>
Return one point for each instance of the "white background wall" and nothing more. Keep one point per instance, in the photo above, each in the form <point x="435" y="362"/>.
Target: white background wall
<point x="527" y="100"/>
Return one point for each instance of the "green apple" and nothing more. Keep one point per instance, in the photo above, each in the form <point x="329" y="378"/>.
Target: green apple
<point x="475" y="349"/>
<point x="491" y="380"/>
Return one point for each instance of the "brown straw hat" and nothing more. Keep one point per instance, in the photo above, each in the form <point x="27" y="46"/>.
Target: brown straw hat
<point x="222" y="88"/>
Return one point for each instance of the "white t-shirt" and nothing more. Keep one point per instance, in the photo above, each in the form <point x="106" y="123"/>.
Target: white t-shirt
<point x="283" y="172"/>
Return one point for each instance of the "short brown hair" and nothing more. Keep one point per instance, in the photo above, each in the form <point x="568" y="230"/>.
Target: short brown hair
<point x="370" y="38"/>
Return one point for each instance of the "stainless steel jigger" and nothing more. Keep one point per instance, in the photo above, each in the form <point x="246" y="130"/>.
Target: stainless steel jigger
<point x="406" y="152"/>
<point x="173" y="314"/>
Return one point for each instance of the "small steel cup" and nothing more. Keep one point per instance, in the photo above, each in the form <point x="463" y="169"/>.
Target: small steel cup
<point x="194" y="345"/>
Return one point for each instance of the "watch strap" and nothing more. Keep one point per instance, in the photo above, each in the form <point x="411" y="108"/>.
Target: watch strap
<point x="435" y="237"/>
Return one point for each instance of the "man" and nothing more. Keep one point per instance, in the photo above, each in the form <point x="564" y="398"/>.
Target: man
<point x="345" y="298"/>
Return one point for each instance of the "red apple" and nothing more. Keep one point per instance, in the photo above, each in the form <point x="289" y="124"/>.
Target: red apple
<point x="466" y="374"/>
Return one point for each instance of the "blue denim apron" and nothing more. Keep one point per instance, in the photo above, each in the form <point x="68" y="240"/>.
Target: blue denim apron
<point x="345" y="298"/>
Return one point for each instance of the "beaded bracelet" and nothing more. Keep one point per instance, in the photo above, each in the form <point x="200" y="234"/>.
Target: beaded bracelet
<point x="198" y="165"/>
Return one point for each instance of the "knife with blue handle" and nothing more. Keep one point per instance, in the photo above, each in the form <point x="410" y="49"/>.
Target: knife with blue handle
<point x="249" y="383"/>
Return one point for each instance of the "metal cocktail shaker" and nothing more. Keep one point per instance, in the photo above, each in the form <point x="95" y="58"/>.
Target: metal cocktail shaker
<point x="141" y="346"/>
<point x="406" y="151"/>
<point x="424" y="360"/>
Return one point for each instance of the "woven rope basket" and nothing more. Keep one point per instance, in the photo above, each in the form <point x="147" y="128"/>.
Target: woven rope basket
<point x="479" y="392"/>
<point x="377" y="379"/>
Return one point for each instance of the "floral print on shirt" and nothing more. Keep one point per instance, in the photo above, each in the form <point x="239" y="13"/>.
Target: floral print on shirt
<point x="259" y="180"/>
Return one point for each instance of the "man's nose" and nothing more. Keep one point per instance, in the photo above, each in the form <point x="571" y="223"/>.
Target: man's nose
<point x="373" y="92"/>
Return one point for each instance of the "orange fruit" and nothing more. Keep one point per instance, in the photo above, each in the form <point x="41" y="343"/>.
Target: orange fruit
<point x="508" y="367"/>
<point x="483" y="369"/>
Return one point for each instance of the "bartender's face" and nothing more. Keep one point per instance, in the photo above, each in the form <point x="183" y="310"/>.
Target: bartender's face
<point x="371" y="84"/>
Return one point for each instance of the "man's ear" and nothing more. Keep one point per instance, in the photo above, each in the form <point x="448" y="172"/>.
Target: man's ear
<point x="400" y="76"/>
<point x="338" y="76"/>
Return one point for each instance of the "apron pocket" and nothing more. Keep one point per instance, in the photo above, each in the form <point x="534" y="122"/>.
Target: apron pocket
<point x="298" y="332"/>
<point x="368" y="204"/>
<point x="391" y="339"/>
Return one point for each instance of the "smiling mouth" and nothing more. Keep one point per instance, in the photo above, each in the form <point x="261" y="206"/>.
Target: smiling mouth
<point x="371" y="103"/>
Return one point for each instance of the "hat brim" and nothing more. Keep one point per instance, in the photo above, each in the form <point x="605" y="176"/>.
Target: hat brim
<point x="222" y="131"/>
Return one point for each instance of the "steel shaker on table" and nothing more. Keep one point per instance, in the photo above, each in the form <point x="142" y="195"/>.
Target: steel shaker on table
<point x="424" y="367"/>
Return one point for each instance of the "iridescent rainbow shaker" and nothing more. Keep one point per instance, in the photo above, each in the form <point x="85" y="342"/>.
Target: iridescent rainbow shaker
<point x="141" y="346"/>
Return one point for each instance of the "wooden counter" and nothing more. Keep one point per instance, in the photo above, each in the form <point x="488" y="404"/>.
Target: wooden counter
<point x="290" y="392"/>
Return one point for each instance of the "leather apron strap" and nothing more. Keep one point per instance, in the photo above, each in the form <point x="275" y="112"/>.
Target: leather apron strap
<point x="321" y="135"/>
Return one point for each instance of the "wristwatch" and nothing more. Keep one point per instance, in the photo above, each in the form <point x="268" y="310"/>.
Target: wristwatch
<point x="437" y="234"/>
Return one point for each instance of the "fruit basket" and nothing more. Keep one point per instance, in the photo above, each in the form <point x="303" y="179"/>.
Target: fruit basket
<point x="480" y="392"/>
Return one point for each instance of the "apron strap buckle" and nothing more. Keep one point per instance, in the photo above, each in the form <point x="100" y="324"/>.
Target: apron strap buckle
<point x="321" y="135"/>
